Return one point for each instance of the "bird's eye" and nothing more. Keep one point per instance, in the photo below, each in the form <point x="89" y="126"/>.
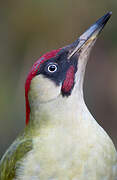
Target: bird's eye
<point x="52" y="68"/>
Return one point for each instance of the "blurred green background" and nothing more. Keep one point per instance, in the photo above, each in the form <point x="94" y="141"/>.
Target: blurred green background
<point x="29" y="28"/>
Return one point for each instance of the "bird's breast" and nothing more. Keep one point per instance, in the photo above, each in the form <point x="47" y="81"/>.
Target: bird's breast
<point x="70" y="153"/>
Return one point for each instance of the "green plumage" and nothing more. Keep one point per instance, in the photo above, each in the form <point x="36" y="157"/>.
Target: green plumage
<point x="9" y="162"/>
<point x="62" y="139"/>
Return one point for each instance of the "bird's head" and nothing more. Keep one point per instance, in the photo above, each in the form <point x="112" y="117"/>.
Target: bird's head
<point x="60" y="73"/>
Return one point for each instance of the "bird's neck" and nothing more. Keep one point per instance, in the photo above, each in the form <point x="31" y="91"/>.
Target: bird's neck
<point x="63" y="111"/>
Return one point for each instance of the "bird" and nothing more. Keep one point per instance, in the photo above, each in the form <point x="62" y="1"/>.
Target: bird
<point x="61" y="139"/>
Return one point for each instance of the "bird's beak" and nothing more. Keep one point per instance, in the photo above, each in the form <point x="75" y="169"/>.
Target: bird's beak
<point x="89" y="36"/>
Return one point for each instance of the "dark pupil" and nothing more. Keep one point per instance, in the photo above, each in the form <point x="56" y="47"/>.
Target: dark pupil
<point x="52" y="68"/>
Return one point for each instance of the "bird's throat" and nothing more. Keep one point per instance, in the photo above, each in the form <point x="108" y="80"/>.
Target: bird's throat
<point x="62" y="111"/>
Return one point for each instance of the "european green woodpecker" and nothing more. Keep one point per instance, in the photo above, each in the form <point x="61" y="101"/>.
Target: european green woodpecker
<point x="61" y="140"/>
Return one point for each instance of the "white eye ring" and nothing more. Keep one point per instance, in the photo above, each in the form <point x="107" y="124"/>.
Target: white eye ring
<point x="52" y="68"/>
